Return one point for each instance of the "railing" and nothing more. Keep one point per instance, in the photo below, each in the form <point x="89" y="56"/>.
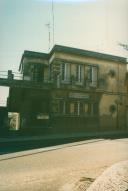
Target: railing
<point x="4" y="74"/>
<point x="11" y="75"/>
<point x="9" y="78"/>
<point x="15" y="79"/>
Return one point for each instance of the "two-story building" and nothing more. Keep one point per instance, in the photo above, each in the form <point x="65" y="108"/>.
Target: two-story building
<point x="72" y="91"/>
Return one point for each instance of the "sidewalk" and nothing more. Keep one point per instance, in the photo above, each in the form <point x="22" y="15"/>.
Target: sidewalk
<point x="114" y="178"/>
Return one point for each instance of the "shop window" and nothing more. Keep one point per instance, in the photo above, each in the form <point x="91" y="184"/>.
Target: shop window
<point x="89" y="110"/>
<point x="86" y="108"/>
<point x="73" y="108"/>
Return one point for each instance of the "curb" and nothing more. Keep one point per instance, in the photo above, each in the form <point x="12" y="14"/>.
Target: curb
<point x="46" y="149"/>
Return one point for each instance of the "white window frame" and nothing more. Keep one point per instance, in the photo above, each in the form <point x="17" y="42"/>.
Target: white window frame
<point x="80" y="74"/>
<point x="64" y="76"/>
<point x="93" y="76"/>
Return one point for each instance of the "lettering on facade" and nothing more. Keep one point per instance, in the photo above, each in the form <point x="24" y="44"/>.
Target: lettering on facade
<point x="79" y="95"/>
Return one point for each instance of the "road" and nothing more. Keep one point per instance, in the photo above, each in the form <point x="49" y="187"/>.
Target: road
<point x="16" y="146"/>
<point x="70" y="167"/>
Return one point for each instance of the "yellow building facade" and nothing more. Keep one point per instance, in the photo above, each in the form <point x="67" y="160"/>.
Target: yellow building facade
<point x="76" y="91"/>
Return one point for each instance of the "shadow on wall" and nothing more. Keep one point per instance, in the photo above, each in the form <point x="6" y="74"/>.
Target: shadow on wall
<point x="108" y="122"/>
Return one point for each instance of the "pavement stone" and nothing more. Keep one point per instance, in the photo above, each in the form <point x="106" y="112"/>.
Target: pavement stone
<point x="114" y="178"/>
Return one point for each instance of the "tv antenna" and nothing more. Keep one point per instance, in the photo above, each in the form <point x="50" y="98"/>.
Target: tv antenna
<point x="49" y="35"/>
<point x="53" y="21"/>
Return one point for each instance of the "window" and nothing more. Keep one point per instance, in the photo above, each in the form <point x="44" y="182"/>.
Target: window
<point x="65" y="71"/>
<point x="55" y="106"/>
<point x="93" y="75"/>
<point x="80" y="73"/>
<point x="86" y="108"/>
<point x="73" y="108"/>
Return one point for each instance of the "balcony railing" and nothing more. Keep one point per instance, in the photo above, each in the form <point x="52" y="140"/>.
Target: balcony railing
<point x="11" y="75"/>
<point x="15" y="79"/>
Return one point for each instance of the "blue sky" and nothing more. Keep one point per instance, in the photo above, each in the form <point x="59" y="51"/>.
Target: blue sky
<point x="97" y="25"/>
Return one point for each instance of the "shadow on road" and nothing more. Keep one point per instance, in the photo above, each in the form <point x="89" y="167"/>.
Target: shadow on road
<point x="23" y="145"/>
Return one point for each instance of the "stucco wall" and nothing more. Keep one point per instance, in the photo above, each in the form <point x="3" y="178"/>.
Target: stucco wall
<point x="112" y="83"/>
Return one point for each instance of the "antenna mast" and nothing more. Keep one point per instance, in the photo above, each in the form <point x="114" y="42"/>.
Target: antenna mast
<point x="53" y="21"/>
<point x="49" y="38"/>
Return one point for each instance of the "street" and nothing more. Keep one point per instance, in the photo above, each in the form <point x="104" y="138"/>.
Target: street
<point x="60" y="168"/>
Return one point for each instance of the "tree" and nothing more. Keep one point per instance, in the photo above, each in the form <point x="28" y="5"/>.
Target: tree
<point x="125" y="46"/>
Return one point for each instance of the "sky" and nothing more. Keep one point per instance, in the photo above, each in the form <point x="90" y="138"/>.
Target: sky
<point x="97" y="25"/>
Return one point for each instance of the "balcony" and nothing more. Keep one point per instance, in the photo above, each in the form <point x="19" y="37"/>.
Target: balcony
<point x="12" y="79"/>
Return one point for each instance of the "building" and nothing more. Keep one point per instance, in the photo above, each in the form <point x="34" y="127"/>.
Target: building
<point x="3" y="119"/>
<point x="71" y="90"/>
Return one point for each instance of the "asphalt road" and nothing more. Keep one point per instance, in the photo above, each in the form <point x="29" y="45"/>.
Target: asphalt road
<point x="69" y="167"/>
<point x="16" y="146"/>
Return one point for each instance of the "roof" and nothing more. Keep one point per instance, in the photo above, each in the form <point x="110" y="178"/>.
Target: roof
<point x="32" y="54"/>
<point x="59" y="48"/>
<point x="35" y="54"/>
<point x="70" y="50"/>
